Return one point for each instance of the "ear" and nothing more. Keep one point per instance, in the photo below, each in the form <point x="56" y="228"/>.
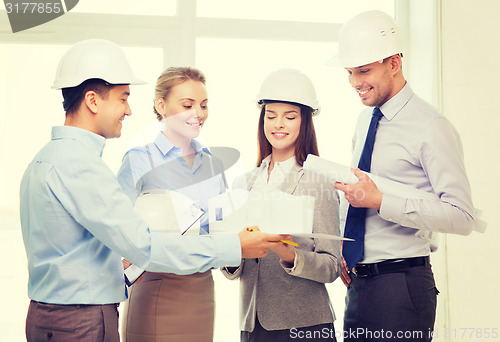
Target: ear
<point x="160" y="106"/>
<point x="91" y="100"/>
<point x="396" y="64"/>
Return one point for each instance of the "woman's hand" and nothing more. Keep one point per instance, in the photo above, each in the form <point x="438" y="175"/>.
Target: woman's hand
<point x="285" y="251"/>
<point x="346" y="279"/>
<point x="127" y="264"/>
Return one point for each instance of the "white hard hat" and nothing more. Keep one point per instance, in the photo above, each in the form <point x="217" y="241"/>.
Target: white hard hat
<point x="366" y="38"/>
<point x="289" y="85"/>
<point x="94" y="58"/>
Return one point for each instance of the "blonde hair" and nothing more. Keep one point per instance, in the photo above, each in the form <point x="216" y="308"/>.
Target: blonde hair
<point x="172" y="77"/>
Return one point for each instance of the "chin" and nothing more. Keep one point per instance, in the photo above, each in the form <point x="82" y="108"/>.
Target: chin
<point x="193" y="135"/>
<point x="368" y="102"/>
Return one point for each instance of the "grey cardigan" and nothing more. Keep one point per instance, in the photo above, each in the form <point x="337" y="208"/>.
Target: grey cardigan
<point x="288" y="296"/>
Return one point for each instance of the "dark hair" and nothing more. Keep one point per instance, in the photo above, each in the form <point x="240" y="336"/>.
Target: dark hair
<point x="306" y="141"/>
<point x="74" y="96"/>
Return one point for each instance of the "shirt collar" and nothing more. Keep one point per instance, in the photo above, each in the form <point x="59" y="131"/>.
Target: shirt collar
<point x="285" y="166"/>
<point x="265" y="162"/>
<point x="397" y="102"/>
<point x="165" y="146"/>
<point x="93" y="141"/>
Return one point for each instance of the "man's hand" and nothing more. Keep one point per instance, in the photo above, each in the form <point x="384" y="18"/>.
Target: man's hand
<point x="344" y="275"/>
<point x="254" y="244"/>
<point x="363" y="194"/>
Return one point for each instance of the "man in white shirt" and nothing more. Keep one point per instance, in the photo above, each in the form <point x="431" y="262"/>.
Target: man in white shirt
<point x="391" y="291"/>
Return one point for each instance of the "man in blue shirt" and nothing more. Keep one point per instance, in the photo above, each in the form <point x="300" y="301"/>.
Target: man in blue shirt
<point x="76" y="221"/>
<point x="391" y="291"/>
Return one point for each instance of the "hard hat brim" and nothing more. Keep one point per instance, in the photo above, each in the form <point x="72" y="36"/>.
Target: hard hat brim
<point x="62" y="84"/>
<point x="334" y="62"/>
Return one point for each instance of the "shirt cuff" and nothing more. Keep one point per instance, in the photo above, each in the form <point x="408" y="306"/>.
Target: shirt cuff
<point x="229" y="249"/>
<point x="292" y="269"/>
<point x="392" y="208"/>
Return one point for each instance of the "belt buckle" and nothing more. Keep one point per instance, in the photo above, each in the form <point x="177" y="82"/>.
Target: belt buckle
<point x="356" y="270"/>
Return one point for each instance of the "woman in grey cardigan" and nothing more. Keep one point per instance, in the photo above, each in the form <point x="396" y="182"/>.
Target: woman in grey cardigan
<point x="283" y="296"/>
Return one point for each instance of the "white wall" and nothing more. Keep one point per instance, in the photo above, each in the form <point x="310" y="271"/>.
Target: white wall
<point x="470" y="88"/>
<point x="451" y="62"/>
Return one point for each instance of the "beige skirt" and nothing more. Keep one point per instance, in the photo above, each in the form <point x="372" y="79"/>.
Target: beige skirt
<point x="169" y="307"/>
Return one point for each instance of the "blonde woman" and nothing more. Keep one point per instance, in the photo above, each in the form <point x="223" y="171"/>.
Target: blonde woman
<point x="164" y="306"/>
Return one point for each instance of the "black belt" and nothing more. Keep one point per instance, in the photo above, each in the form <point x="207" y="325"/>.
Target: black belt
<point x="76" y="305"/>
<point x="388" y="266"/>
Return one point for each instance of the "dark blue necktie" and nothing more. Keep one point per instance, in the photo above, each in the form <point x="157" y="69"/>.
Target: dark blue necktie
<point x="353" y="251"/>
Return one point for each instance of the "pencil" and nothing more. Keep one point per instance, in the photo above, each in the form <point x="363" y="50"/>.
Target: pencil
<point x="284" y="241"/>
<point x="290" y="243"/>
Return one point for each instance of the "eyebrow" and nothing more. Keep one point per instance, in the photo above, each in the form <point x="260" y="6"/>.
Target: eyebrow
<point x="287" y="112"/>
<point x="189" y="99"/>
<point x="357" y="68"/>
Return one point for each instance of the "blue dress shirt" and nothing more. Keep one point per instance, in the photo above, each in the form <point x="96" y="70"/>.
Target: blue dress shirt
<point x="159" y="165"/>
<point x="77" y="224"/>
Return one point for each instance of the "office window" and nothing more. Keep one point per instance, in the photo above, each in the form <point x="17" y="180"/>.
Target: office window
<point x="235" y="70"/>
<point x="315" y="11"/>
<point x="132" y="7"/>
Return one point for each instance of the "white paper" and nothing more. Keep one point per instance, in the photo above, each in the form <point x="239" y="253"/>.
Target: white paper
<point x="323" y="236"/>
<point x="273" y="212"/>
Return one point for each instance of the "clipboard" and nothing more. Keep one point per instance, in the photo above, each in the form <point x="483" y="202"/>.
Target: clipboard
<point x="195" y="214"/>
<point x="169" y="211"/>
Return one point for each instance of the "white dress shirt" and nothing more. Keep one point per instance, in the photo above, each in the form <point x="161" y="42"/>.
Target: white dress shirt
<point x="417" y="146"/>
<point x="265" y="182"/>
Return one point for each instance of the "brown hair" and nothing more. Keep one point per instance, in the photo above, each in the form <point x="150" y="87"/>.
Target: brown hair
<point x="172" y="77"/>
<point x="306" y="141"/>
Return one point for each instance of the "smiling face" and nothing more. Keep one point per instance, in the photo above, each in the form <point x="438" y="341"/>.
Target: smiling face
<point x="375" y="83"/>
<point x="184" y="110"/>
<point x="281" y="128"/>
<point x="112" y="110"/>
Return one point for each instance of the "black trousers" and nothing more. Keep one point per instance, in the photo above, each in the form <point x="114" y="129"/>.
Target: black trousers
<point x="391" y="307"/>
<point x="316" y="333"/>
<point x="62" y="323"/>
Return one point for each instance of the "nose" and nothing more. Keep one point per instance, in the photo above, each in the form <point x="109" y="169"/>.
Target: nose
<point x="128" y="110"/>
<point x="200" y="113"/>
<point x="355" y="81"/>
<point x="280" y="122"/>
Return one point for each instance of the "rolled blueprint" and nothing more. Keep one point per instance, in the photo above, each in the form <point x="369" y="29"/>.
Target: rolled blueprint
<point x="343" y="174"/>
